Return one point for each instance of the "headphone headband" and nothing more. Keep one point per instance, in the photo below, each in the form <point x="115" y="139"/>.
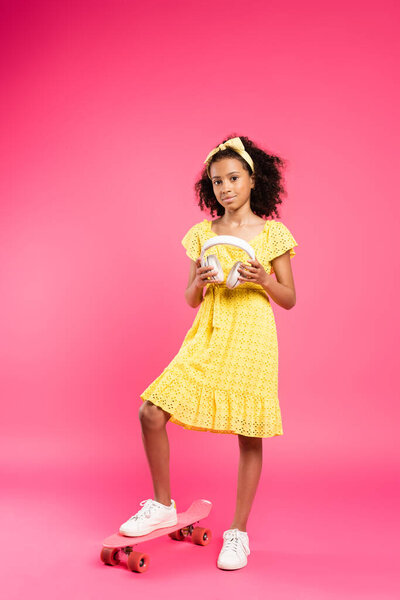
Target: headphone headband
<point x="231" y="240"/>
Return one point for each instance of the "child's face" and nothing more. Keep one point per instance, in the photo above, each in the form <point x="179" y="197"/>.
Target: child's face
<point x="231" y="180"/>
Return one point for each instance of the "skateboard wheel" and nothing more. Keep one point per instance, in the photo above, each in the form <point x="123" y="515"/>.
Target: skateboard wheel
<point x="139" y="562"/>
<point x="109" y="556"/>
<point x="201" y="536"/>
<point x="177" y="535"/>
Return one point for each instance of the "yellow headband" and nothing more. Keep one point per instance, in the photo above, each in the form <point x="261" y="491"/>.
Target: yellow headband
<point x="237" y="145"/>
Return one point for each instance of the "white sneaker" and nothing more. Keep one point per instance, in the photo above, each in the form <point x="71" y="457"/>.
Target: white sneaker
<point x="152" y="516"/>
<point x="235" y="550"/>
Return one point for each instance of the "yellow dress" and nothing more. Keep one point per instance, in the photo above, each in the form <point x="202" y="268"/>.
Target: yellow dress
<point x="224" y="377"/>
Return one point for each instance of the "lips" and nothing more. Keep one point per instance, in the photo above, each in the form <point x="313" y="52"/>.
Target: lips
<point x="227" y="199"/>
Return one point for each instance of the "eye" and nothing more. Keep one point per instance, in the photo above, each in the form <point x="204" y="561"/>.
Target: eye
<point x="233" y="177"/>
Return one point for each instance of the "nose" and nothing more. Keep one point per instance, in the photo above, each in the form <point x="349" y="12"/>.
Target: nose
<point x="226" y="187"/>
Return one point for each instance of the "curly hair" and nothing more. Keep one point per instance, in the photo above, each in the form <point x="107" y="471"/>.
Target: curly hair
<point x="268" y="180"/>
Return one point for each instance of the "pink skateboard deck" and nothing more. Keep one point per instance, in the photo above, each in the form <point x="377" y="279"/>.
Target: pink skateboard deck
<point x="118" y="544"/>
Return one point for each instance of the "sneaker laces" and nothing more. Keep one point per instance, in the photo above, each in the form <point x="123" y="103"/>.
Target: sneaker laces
<point x="145" y="512"/>
<point x="231" y="540"/>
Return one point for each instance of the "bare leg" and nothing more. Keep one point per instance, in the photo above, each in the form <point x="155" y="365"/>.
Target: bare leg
<point x="155" y="441"/>
<point x="250" y="465"/>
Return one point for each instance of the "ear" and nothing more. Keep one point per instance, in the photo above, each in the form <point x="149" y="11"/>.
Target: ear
<point x="253" y="180"/>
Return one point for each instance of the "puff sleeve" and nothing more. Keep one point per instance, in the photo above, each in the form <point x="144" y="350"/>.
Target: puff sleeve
<point x="280" y="241"/>
<point x="192" y="243"/>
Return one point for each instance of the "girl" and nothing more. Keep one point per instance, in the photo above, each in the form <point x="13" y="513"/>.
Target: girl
<point x="224" y="378"/>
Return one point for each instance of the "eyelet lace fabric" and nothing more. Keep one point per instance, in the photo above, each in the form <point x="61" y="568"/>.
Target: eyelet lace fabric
<point x="224" y="378"/>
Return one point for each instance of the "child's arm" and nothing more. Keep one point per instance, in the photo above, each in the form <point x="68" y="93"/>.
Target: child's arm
<point x="198" y="278"/>
<point x="281" y="290"/>
<point x="193" y="294"/>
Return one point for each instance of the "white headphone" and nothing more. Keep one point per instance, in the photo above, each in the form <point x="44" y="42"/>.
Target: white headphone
<point x="211" y="260"/>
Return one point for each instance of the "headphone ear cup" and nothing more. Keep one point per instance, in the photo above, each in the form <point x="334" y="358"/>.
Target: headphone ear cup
<point x="212" y="261"/>
<point x="232" y="280"/>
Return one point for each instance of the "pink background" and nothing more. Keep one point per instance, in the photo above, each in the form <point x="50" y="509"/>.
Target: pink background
<point x="108" y="111"/>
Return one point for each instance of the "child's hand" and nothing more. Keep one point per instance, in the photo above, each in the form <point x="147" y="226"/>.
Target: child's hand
<point x="253" y="273"/>
<point x="203" y="274"/>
